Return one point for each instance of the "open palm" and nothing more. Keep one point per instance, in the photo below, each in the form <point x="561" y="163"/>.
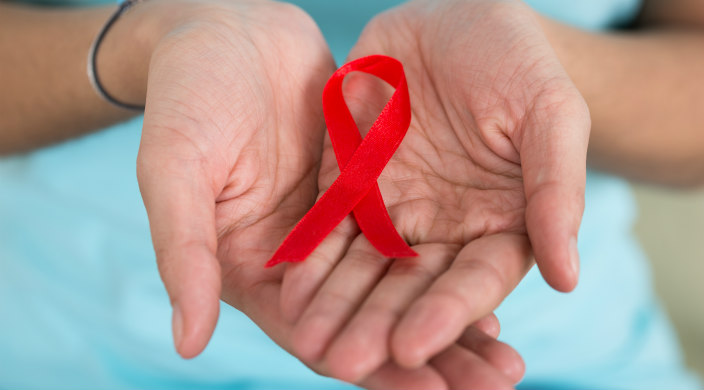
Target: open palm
<point x="229" y="160"/>
<point x="491" y="171"/>
<point x="230" y="152"/>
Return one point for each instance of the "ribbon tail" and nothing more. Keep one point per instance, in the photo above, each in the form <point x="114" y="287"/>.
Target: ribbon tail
<point x="375" y="222"/>
<point x="335" y="204"/>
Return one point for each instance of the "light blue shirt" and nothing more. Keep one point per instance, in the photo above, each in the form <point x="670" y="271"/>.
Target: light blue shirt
<point x="82" y="305"/>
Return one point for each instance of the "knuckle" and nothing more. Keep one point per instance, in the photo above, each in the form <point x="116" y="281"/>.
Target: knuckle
<point x="491" y="281"/>
<point x="450" y="299"/>
<point x="380" y="313"/>
<point x="329" y="298"/>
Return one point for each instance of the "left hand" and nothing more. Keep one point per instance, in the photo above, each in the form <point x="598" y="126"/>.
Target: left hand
<point x="491" y="171"/>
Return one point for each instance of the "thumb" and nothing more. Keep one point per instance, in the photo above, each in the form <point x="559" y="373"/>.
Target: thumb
<point x="554" y="157"/>
<point x="181" y="208"/>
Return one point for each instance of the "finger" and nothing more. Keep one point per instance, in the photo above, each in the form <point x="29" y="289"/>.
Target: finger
<point x="390" y="376"/>
<point x="553" y="158"/>
<point x="181" y="208"/>
<point x="337" y="299"/>
<point x="464" y="369"/>
<point x="489" y="325"/>
<point x="498" y="354"/>
<point x="302" y="280"/>
<point x="363" y="344"/>
<point x="481" y="276"/>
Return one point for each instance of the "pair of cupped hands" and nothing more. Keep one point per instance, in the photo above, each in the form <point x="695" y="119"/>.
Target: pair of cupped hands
<point x="488" y="180"/>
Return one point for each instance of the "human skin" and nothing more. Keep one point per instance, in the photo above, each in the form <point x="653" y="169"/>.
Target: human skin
<point x="86" y="112"/>
<point x="46" y="95"/>
<point x="49" y="99"/>
<point x="229" y="157"/>
<point x="441" y="192"/>
<point x="491" y="171"/>
<point x="248" y="152"/>
<point x="643" y="87"/>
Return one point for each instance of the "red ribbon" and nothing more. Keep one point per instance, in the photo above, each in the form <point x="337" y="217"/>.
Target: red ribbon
<point x="361" y="162"/>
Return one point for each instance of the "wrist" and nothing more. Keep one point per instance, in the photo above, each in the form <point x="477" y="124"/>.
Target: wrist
<point x="125" y="53"/>
<point x="562" y="39"/>
<point x="580" y="53"/>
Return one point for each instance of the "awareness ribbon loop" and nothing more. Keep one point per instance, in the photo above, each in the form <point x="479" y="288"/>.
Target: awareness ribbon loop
<point x="361" y="161"/>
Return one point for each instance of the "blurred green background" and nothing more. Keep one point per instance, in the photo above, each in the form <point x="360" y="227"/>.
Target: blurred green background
<point x="671" y="230"/>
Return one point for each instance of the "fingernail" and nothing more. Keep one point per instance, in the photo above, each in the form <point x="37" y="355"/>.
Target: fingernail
<point x="574" y="257"/>
<point x="177" y="325"/>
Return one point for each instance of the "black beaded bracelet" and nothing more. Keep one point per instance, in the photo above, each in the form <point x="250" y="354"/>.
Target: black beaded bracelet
<point x="92" y="54"/>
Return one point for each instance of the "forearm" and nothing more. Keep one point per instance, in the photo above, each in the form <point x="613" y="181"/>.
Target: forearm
<point x="644" y="91"/>
<point x="46" y="95"/>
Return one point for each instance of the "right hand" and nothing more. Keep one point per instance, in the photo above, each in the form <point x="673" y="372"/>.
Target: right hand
<point x="228" y="163"/>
